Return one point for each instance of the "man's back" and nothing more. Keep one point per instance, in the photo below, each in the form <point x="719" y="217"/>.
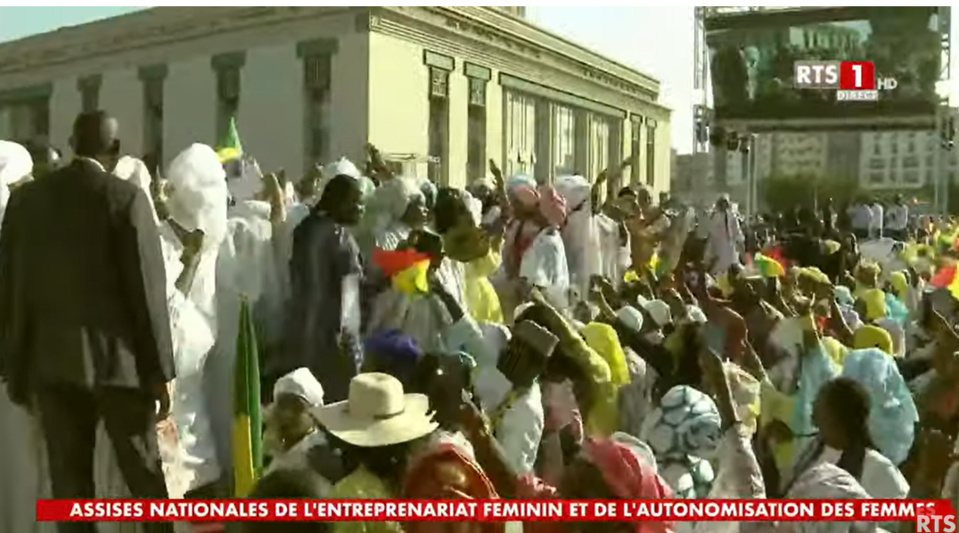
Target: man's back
<point x="86" y="300"/>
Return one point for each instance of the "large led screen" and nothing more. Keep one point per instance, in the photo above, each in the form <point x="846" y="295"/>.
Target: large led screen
<point x="752" y="58"/>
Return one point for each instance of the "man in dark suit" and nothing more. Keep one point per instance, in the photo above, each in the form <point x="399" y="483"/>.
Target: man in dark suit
<point x="84" y="327"/>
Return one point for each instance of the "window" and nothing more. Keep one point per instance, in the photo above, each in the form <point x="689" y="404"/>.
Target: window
<point x="89" y="93"/>
<point x="476" y="129"/>
<point x="598" y="145"/>
<point x="929" y="176"/>
<point x="876" y="149"/>
<point x="911" y="177"/>
<point x="877" y="163"/>
<point x="876" y="177"/>
<point x="40" y="115"/>
<point x="27" y="119"/>
<point x="650" y="152"/>
<point x="894" y="146"/>
<point x="911" y="147"/>
<point x="316" y="94"/>
<point x="439" y="124"/>
<point x="910" y="161"/>
<point x="564" y="139"/>
<point x="153" y="118"/>
<point x="228" y="98"/>
<point x="520" y="134"/>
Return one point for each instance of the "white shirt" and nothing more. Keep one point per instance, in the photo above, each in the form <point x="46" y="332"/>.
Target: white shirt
<point x="876" y="217"/>
<point x="861" y="216"/>
<point x="897" y="217"/>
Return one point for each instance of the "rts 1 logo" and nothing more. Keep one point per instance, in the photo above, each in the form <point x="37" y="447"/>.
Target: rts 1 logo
<point x="940" y="524"/>
<point x="855" y="80"/>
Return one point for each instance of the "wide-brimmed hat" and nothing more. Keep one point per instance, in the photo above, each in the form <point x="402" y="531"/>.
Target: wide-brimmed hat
<point x="377" y="413"/>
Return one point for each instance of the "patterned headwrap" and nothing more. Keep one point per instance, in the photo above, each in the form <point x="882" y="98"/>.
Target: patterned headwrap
<point x="628" y="477"/>
<point x="522" y="189"/>
<point x="686" y="423"/>
<point x="552" y="206"/>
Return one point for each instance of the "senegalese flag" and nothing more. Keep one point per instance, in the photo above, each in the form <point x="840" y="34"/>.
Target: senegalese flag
<point x="768" y="267"/>
<point x="406" y="269"/>
<point x="247" y="419"/>
<point x="944" y="277"/>
<point x="230" y="147"/>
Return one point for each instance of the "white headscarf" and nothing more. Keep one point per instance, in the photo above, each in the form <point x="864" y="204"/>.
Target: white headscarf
<point x="580" y="234"/>
<point x="301" y="382"/>
<point x="390" y="202"/>
<point x="199" y="195"/>
<point x="136" y="172"/>
<point x="250" y="181"/>
<point x="343" y="166"/>
<point x="475" y="207"/>
<point x="15" y="164"/>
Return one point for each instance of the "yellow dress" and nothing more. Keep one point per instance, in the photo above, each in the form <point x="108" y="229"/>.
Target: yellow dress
<point x="363" y="485"/>
<point x="481" y="297"/>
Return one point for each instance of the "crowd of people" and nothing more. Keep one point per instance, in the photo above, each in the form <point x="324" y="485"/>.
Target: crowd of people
<point x="571" y="340"/>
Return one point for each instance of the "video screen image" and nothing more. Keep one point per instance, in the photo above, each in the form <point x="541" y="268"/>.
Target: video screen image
<point x="752" y="58"/>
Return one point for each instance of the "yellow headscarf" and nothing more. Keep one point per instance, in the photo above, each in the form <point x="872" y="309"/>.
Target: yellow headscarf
<point x="603" y="339"/>
<point x="872" y="337"/>
<point x="603" y="417"/>
<point x="875" y="301"/>
<point x="835" y="350"/>
<point x="900" y="284"/>
<point x="814" y="274"/>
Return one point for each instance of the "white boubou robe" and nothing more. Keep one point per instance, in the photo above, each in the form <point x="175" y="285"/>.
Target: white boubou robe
<point x="725" y="240"/>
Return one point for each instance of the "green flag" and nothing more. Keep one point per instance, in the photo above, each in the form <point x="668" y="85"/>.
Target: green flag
<point x="230" y="147"/>
<point x="247" y="419"/>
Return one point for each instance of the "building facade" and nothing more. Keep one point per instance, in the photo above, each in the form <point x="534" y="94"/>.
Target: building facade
<point x="452" y="87"/>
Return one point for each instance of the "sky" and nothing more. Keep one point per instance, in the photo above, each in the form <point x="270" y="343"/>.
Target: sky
<point x="654" y="40"/>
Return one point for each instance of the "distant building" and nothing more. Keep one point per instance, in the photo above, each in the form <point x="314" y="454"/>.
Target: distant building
<point x="452" y="85"/>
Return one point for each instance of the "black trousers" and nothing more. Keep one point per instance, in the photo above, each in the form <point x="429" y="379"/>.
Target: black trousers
<point x="70" y="415"/>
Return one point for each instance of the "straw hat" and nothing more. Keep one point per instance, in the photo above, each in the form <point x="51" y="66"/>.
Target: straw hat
<point x="378" y="413"/>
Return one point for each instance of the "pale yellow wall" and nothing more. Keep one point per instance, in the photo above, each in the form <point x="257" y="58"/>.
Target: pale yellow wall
<point x="494" y="121"/>
<point x="398" y="104"/>
<point x="121" y="95"/>
<point x="459" y="112"/>
<point x="270" y="120"/>
<point x="64" y="107"/>
<point x="189" y="106"/>
<point x="663" y="160"/>
<point x="350" y="97"/>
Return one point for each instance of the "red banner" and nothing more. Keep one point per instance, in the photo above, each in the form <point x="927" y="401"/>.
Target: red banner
<point x="924" y="512"/>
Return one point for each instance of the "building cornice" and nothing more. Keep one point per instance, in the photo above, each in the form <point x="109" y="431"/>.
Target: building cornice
<point x="610" y="71"/>
<point x="150" y="28"/>
<point x="459" y="32"/>
<point x="503" y="41"/>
